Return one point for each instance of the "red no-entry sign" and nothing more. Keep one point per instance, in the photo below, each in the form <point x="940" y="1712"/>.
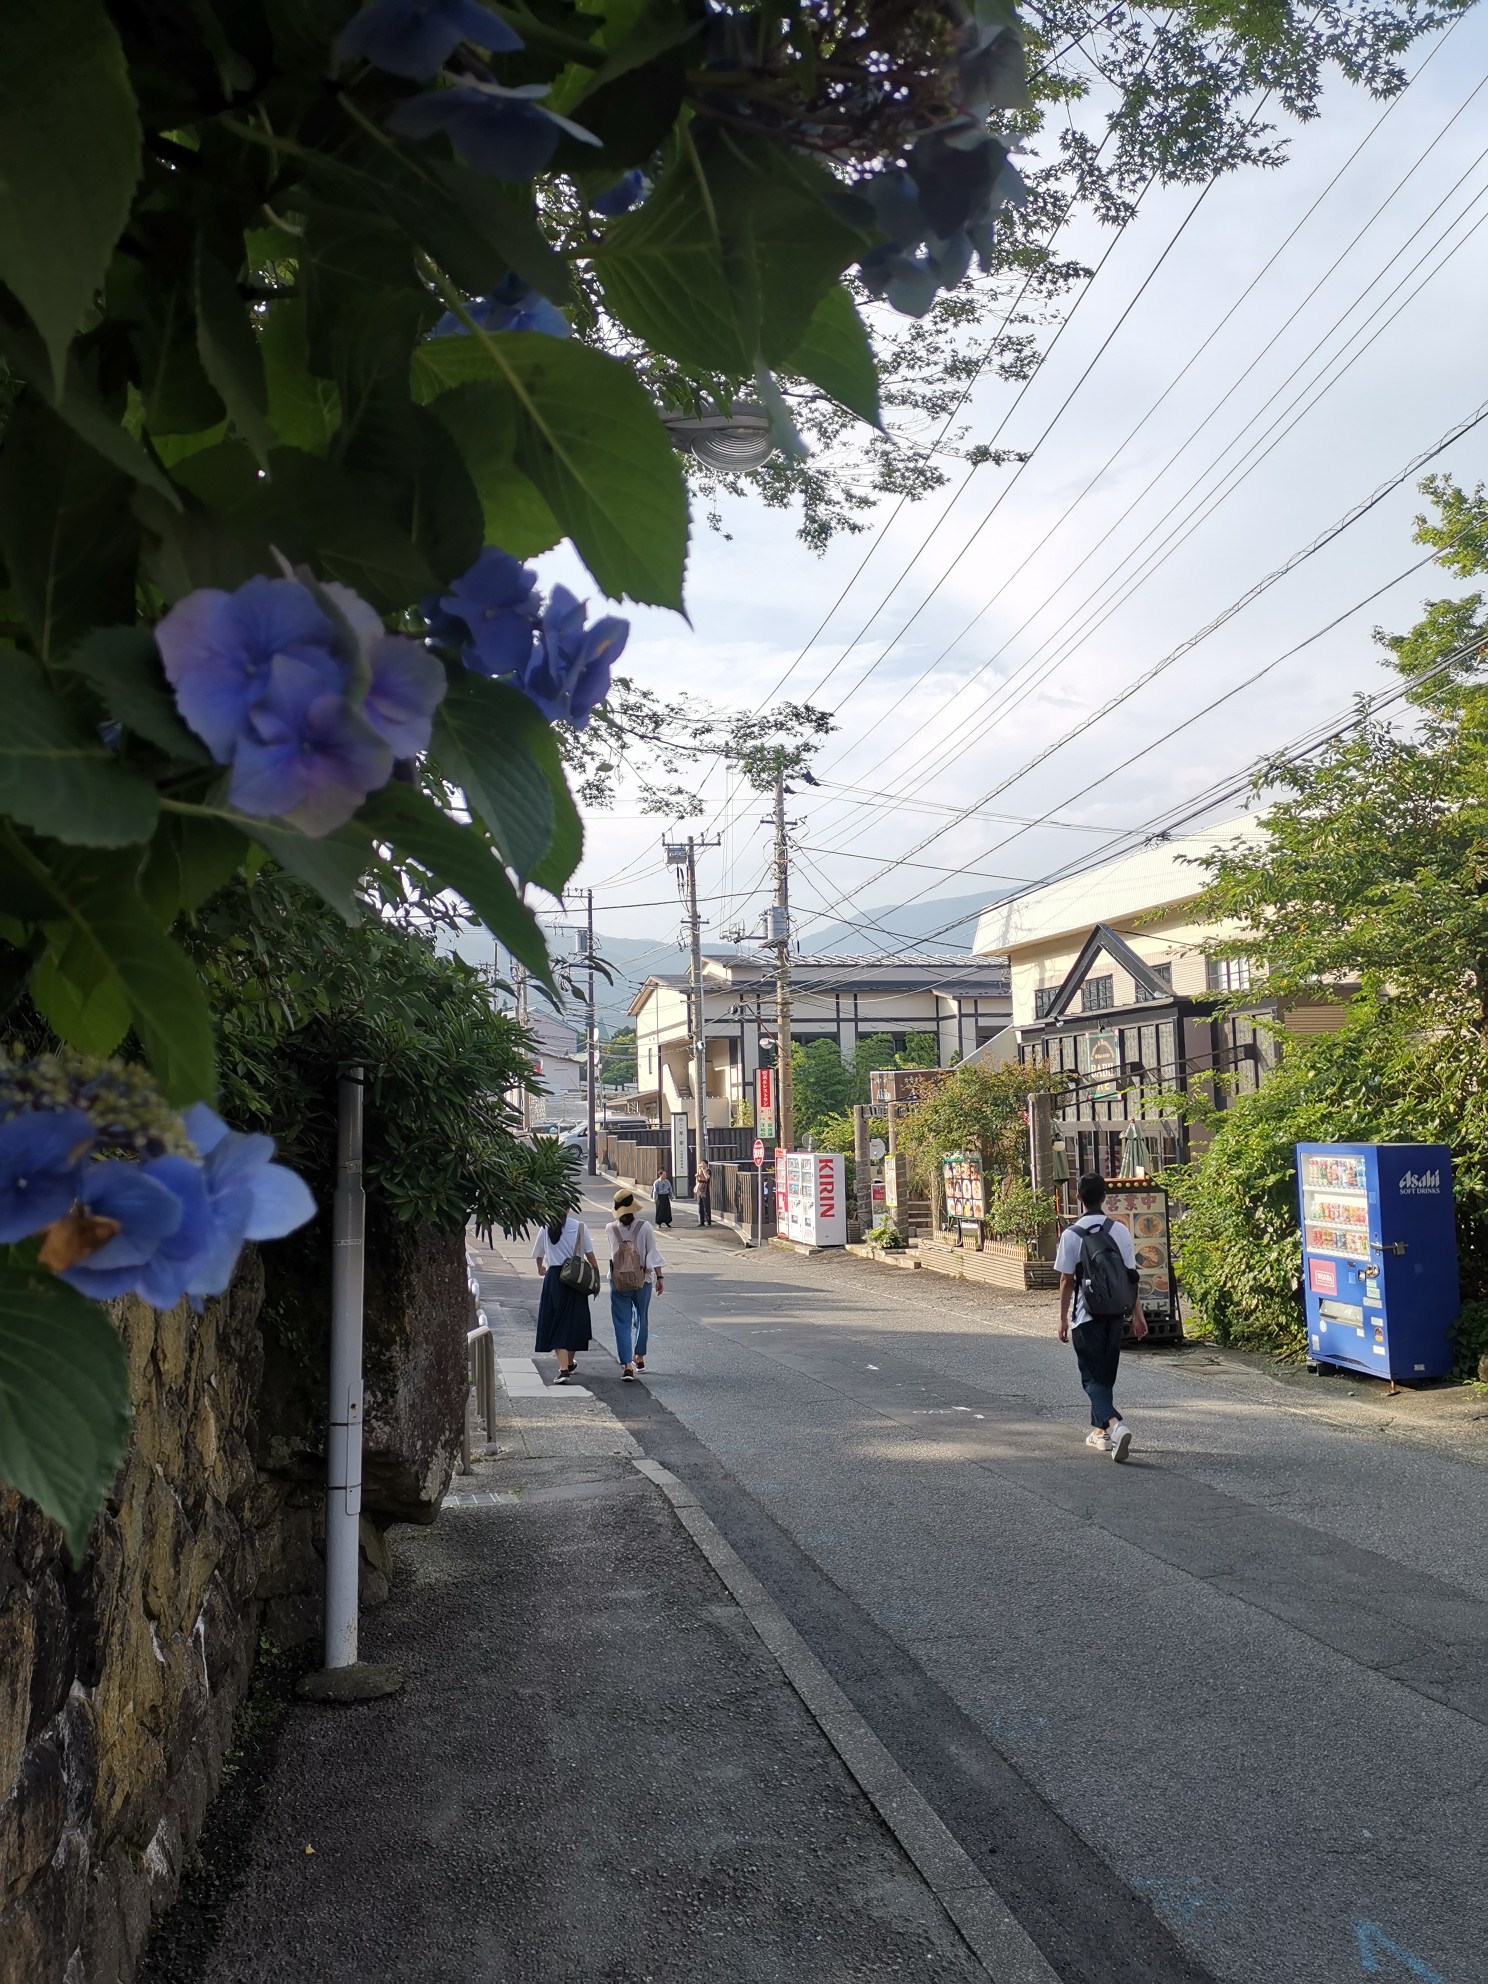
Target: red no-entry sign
<point x="759" y="1154"/>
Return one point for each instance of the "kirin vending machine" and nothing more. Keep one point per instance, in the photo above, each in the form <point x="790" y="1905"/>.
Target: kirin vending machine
<point x="1379" y="1257"/>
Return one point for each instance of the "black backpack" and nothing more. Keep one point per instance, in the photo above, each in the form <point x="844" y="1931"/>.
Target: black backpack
<point x="1103" y="1274"/>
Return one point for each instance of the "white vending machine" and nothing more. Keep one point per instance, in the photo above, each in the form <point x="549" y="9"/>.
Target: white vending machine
<point x="811" y="1197"/>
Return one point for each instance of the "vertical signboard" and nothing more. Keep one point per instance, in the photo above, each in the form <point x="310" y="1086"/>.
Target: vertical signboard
<point x="681" y="1178"/>
<point x="764" y="1102"/>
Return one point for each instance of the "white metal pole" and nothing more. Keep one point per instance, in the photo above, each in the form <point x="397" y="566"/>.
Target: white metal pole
<point x="344" y="1437"/>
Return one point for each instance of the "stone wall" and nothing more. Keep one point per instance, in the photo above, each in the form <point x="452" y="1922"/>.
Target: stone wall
<point x="119" y="1680"/>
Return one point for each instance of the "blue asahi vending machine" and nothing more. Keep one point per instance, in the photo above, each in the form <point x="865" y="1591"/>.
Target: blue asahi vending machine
<point x="1379" y="1257"/>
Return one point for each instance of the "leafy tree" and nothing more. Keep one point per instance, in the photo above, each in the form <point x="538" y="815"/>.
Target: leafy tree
<point x="822" y="1085"/>
<point x="1373" y="874"/>
<point x="974" y="1109"/>
<point x="618" y="1059"/>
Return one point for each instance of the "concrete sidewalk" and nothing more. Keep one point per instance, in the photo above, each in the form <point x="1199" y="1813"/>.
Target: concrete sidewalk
<point x="597" y="1770"/>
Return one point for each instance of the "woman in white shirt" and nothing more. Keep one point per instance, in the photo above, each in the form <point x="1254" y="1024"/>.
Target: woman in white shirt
<point x="633" y="1273"/>
<point x="562" y="1312"/>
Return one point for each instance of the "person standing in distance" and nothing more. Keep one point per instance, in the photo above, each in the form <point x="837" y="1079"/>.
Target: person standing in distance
<point x="635" y="1267"/>
<point x="1098" y="1285"/>
<point x="661" y="1191"/>
<point x="702" y="1184"/>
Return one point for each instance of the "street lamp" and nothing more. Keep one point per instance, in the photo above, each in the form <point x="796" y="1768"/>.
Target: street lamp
<point x="737" y="440"/>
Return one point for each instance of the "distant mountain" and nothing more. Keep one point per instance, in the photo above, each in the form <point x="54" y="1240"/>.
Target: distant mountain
<point x="945" y="926"/>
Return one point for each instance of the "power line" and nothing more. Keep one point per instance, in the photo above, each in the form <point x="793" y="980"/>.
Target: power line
<point x="1015" y="690"/>
<point x="1247" y="598"/>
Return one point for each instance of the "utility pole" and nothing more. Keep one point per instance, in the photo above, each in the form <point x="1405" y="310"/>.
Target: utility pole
<point x="592" y="1043"/>
<point x="699" y="1037"/>
<point x="779" y="935"/>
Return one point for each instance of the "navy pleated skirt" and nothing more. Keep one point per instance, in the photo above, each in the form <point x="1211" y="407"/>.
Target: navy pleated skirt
<point x="562" y="1315"/>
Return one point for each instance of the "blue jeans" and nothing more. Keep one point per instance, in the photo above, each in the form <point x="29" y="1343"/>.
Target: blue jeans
<point x="628" y="1309"/>
<point x="1098" y="1352"/>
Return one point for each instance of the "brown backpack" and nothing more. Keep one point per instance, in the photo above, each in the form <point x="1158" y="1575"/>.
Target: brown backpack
<point x="627" y="1269"/>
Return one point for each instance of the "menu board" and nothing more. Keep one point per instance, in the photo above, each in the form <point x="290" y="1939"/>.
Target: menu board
<point x="1144" y="1211"/>
<point x="964" y="1196"/>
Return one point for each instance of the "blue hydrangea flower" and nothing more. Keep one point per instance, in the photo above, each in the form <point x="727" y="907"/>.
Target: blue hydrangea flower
<point x="568" y="674"/>
<point x="955" y="171"/>
<point x="163" y="1279"/>
<point x="511" y="306"/>
<point x="40" y="1151"/>
<point x="305" y="755"/>
<point x="407" y="687"/>
<point x="415" y="38"/>
<point x="496" y="608"/>
<point x="622" y="196"/>
<point x="249" y="1196"/>
<point x="218" y="649"/>
<point x="147" y="1211"/>
<point x="503" y="132"/>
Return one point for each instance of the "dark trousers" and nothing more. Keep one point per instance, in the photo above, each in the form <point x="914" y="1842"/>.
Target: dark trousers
<point x="1098" y="1352"/>
<point x="705" y="1205"/>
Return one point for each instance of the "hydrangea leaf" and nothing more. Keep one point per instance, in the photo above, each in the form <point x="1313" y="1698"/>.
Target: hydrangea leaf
<point x="566" y="848"/>
<point x="836" y="355"/>
<point x="57" y="777"/>
<point x="483" y="734"/>
<point x="79" y="405"/>
<point x="332" y="864"/>
<point x="463" y="859"/>
<point x="304" y="411"/>
<point x="69" y="159"/>
<point x="67" y="530"/>
<point x="588" y="438"/>
<point x="229" y="353"/>
<point x="123" y="666"/>
<point x="166" y="1001"/>
<point x="671" y="276"/>
<point x="797" y="221"/>
<point x="482" y="420"/>
<point x="64" y="1397"/>
<point x="90" y="1014"/>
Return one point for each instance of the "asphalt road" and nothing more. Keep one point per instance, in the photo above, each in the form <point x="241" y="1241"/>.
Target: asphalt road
<point x="1217" y="1713"/>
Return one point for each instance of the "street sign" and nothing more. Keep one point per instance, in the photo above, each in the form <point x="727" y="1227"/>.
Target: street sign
<point x="877" y="1149"/>
<point x="759" y="1155"/>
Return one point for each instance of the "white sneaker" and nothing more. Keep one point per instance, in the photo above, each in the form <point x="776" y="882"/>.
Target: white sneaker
<point x="1120" y="1443"/>
<point x="1097" y="1438"/>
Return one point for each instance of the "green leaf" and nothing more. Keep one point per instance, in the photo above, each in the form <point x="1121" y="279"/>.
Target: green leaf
<point x="482" y="420"/>
<point x="69" y="159"/>
<point x="229" y="353"/>
<point x="730" y="256"/>
<point x="483" y="734"/>
<point x="83" y="411"/>
<point x="669" y="275"/>
<point x="69" y="536"/>
<point x="332" y="864"/>
<point x="315" y="512"/>
<point x="589" y="439"/>
<point x="64" y="1398"/>
<point x="462" y="859"/>
<point x="166" y="1001"/>
<point x="836" y="355"/>
<point x="57" y="778"/>
<point x="566" y="849"/>
<point x="304" y="411"/>
<point x="91" y="1014"/>
<point x="471" y="226"/>
<point x="123" y="665"/>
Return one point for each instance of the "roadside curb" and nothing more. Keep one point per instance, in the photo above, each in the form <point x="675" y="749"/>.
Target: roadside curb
<point x="1006" y="1952"/>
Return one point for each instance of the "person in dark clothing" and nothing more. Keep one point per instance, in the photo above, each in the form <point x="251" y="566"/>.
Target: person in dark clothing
<point x="1096" y="1296"/>
<point x="703" y="1186"/>
<point x="661" y="1192"/>
<point x="562" y="1312"/>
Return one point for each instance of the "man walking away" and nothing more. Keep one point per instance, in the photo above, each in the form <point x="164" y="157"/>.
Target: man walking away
<point x="1098" y="1275"/>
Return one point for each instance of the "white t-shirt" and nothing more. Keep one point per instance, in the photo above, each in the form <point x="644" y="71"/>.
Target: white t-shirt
<point x="573" y="1240"/>
<point x="644" y="1235"/>
<point x="1067" y="1256"/>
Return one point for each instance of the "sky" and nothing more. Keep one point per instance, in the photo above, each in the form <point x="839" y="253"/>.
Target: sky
<point x="1009" y="631"/>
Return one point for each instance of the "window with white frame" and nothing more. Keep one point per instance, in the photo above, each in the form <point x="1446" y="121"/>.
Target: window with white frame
<point x="1228" y="974"/>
